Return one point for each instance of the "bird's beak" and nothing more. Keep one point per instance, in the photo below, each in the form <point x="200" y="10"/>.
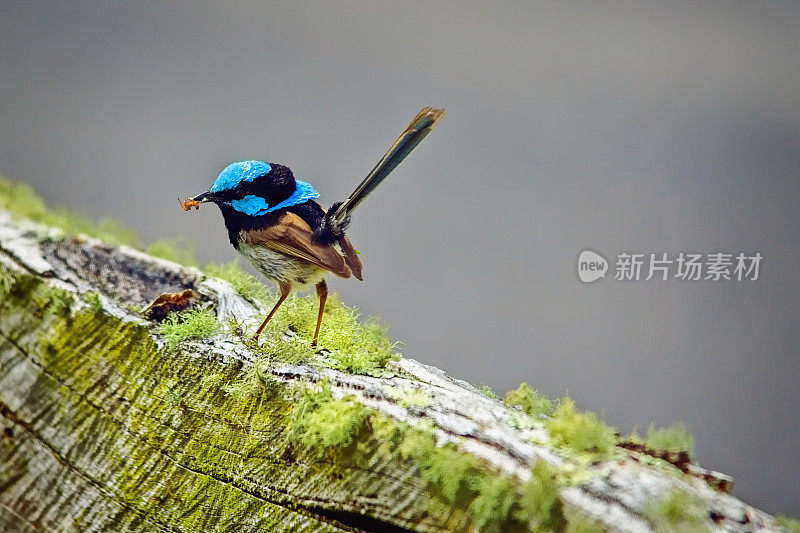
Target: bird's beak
<point x="203" y="197"/>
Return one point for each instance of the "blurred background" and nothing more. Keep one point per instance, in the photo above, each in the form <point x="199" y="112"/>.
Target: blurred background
<point x="606" y="125"/>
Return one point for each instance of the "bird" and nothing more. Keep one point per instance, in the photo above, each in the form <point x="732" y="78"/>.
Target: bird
<point x="274" y="222"/>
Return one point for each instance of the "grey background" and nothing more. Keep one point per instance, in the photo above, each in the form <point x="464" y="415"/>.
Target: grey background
<point x="613" y="126"/>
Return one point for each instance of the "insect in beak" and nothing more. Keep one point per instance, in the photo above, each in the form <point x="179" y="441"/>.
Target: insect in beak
<point x="195" y="202"/>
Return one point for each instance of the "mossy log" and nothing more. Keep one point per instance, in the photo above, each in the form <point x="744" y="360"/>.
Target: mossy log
<point x="102" y="428"/>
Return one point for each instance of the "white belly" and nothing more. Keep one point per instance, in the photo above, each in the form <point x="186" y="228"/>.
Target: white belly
<point x="282" y="268"/>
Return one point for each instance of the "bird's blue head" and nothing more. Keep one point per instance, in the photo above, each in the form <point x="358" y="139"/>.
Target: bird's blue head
<point x="256" y="188"/>
<point x="242" y="171"/>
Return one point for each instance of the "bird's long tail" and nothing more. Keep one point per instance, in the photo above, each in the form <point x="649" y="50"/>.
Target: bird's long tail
<point x="338" y="216"/>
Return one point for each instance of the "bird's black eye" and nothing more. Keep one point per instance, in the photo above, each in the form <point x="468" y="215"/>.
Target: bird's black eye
<point x="237" y="193"/>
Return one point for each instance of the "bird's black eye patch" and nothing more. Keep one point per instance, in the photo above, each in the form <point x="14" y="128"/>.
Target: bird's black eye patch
<point x="274" y="187"/>
<point x="243" y="189"/>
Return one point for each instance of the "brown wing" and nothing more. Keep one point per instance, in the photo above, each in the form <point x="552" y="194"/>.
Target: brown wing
<point x="292" y="236"/>
<point x="351" y="258"/>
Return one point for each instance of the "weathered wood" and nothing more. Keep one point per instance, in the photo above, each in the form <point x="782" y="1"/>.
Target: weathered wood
<point x="105" y="430"/>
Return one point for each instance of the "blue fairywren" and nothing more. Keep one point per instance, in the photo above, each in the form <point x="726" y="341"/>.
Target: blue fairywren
<point x="274" y="222"/>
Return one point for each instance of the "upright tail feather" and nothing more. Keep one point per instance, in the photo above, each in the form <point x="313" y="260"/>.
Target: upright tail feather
<point x="338" y="215"/>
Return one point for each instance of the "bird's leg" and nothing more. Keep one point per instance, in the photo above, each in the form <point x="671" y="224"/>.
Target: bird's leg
<point x="322" y="292"/>
<point x="284" y="288"/>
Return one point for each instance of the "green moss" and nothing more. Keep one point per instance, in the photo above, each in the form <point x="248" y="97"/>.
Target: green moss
<point x="581" y="432"/>
<point x="580" y="524"/>
<point x="43" y="299"/>
<point x="212" y="380"/>
<point x="179" y="250"/>
<point x="93" y="299"/>
<point x="246" y="285"/>
<point x="411" y="397"/>
<point x="349" y="344"/>
<point x="14" y="284"/>
<point x="501" y="506"/>
<point x="633" y="437"/>
<point x="790" y="525"/>
<point x="21" y="201"/>
<point x="189" y="325"/>
<point x="486" y="390"/>
<point x="675" y="438"/>
<point x="172" y="398"/>
<point x="57" y="301"/>
<point x="7" y="279"/>
<point x="322" y="424"/>
<point x="493" y="501"/>
<point x="529" y="400"/>
<point x="677" y="512"/>
<point x="289" y="349"/>
<point x="489" y="501"/>
<point x="496" y="498"/>
<point x="334" y="424"/>
<point x="255" y="379"/>
<point x="448" y="472"/>
<point x="540" y="505"/>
